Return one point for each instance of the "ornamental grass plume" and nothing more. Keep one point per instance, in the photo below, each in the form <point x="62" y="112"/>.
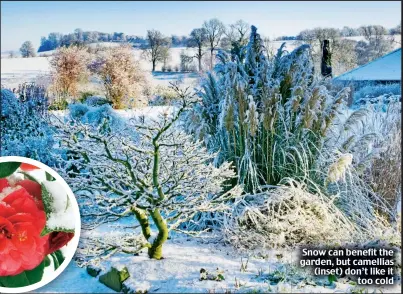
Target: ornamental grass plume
<point x="338" y="169"/>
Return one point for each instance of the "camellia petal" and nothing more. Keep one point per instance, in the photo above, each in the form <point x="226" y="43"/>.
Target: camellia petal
<point x="3" y="184"/>
<point x="57" y="240"/>
<point x="33" y="189"/>
<point x="28" y="167"/>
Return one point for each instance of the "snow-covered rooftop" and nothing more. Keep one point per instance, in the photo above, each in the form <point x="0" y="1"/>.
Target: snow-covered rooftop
<point x="385" y="68"/>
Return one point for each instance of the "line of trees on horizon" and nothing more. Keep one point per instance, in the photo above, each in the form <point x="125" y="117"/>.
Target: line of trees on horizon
<point x="80" y="37"/>
<point x="214" y="35"/>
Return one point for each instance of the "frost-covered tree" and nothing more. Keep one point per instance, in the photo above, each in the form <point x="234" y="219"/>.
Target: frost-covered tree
<point x="237" y="35"/>
<point x="376" y="44"/>
<point x="69" y="69"/>
<point x="215" y="30"/>
<point x="27" y="49"/>
<point x="121" y="75"/>
<point x="147" y="169"/>
<point x="156" y="48"/>
<point x="344" y="57"/>
<point x="198" y="39"/>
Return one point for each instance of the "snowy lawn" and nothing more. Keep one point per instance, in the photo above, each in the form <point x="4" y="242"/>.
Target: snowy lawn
<point x="179" y="272"/>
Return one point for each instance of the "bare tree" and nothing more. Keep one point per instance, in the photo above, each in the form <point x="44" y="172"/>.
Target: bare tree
<point x="157" y="46"/>
<point x="238" y="32"/>
<point x="343" y="54"/>
<point x="27" y="49"/>
<point x="215" y="30"/>
<point x="198" y="39"/>
<point x="378" y="43"/>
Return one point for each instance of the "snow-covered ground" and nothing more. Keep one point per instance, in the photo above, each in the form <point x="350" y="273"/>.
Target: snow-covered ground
<point x="179" y="272"/>
<point x="15" y="71"/>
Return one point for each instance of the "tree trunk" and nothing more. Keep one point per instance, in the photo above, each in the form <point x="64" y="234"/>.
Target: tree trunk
<point x="156" y="248"/>
<point x="200" y="59"/>
<point x="154" y="65"/>
<point x="211" y="58"/>
<point x="142" y="218"/>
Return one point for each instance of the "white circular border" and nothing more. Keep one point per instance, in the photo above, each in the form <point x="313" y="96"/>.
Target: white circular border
<point x="76" y="237"/>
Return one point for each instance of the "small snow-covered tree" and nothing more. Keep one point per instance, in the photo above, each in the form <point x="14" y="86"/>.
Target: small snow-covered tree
<point x="121" y="75"/>
<point x="27" y="49"/>
<point x="69" y="69"/>
<point x="156" y="173"/>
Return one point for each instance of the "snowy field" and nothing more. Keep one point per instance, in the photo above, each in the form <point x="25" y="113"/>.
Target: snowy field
<point x="15" y="71"/>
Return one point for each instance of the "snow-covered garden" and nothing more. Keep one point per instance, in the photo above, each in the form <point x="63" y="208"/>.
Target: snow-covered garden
<point x="213" y="183"/>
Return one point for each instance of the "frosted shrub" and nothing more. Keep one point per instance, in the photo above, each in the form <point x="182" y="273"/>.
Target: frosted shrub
<point x="69" y="69"/>
<point x="289" y="216"/>
<point x="35" y="94"/>
<point x="146" y="169"/>
<point x="269" y="117"/>
<point x="96" y="101"/>
<point x="372" y="135"/>
<point x="163" y="96"/>
<point x="94" y="115"/>
<point x="124" y="83"/>
<point x="24" y="130"/>
<point x="377" y="93"/>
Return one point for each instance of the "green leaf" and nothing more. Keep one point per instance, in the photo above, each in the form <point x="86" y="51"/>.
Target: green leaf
<point x="47" y="261"/>
<point x="47" y="200"/>
<point x="35" y="275"/>
<point x="25" y="278"/>
<point x="331" y="278"/>
<point x="49" y="177"/>
<point x="29" y="177"/>
<point x="58" y="258"/>
<point x="8" y="168"/>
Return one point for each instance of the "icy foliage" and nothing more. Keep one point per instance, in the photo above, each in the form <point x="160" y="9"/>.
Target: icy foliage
<point x="124" y="82"/>
<point x="96" y="101"/>
<point x="149" y="169"/>
<point x="95" y="115"/>
<point x="267" y="116"/>
<point x="338" y="169"/>
<point x="372" y="91"/>
<point x="24" y="129"/>
<point x="288" y="216"/>
<point x="301" y="133"/>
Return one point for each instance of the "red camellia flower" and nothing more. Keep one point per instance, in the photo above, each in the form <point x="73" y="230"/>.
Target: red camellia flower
<point x="28" y="167"/>
<point x="22" y="219"/>
<point x="21" y="223"/>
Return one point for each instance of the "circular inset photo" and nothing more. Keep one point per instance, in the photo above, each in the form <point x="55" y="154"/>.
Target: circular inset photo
<point x="39" y="224"/>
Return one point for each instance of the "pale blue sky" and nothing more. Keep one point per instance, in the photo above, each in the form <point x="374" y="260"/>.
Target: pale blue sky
<point x="21" y="21"/>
